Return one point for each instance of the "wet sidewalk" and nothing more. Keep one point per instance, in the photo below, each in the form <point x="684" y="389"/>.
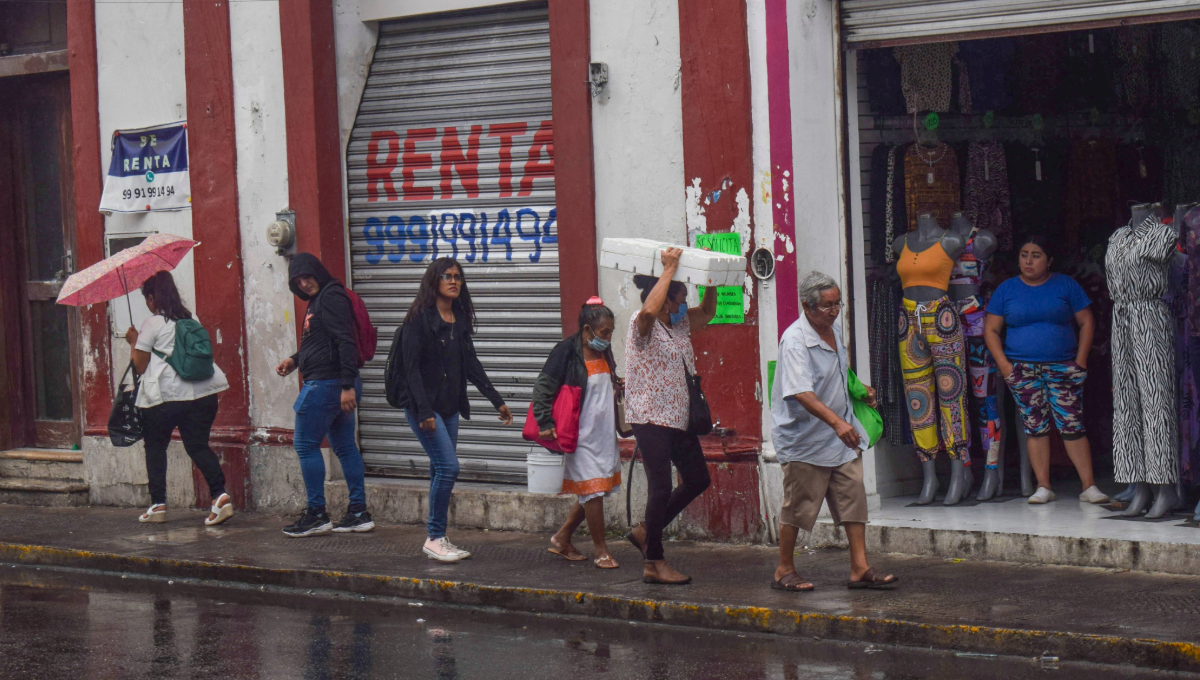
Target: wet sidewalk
<point x="1088" y="614"/>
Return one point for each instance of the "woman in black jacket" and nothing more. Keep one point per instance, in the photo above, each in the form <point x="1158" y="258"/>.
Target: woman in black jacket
<point x="593" y="470"/>
<point x="439" y="359"/>
<point x="328" y="362"/>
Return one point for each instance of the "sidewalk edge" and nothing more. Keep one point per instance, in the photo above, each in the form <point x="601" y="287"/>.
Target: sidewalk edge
<point x="1150" y="653"/>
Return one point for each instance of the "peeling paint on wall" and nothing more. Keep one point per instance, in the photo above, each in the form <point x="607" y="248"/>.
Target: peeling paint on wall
<point x="697" y="223"/>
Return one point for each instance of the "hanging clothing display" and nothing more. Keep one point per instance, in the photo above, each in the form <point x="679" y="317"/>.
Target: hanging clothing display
<point x="883" y="83"/>
<point x="1091" y="191"/>
<point x="1038" y="73"/>
<point x="1037" y="182"/>
<point x="1145" y="422"/>
<point x="888" y="213"/>
<point x="1177" y="300"/>
<point x="986" y="194"/>
<point x="935" y="380"/>
<point x="1091" y="60"/>
<point x="1180" y="48"/>
<point x="931" y="183"/>
<point x="1133" y="67"/>
<point x="1189" y="352"/>
<point x="987" y="63"/>
<point x="1139" y="174"/>
<point x="926" y="73"/>
<point x="1191" y="223"/>
<point x="883" y="306"/>
<point x="1181" y="178"/>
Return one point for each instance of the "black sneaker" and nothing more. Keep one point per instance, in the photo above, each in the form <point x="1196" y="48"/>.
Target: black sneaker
<point x="358" y="522"/>
<point x="310" y="524"/>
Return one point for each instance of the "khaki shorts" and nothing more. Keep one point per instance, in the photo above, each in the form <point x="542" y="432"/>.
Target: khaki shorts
<point x="805" y="486"/>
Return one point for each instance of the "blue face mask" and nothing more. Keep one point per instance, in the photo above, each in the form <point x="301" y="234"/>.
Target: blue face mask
<point x="599" y="344"/>
<point x="678" y="316"/>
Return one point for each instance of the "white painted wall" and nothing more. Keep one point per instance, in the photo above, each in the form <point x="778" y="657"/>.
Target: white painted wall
<point x="376" y="10"/>
<point x="637" y="128"/>
<point x="354" y="38"/>
<point x="139" y="52"/>
<point x="260" y="130"/>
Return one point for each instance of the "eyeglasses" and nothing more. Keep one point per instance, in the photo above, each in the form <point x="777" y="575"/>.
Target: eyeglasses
<point x="835" y="307"/>
<point x="452" y="278"/>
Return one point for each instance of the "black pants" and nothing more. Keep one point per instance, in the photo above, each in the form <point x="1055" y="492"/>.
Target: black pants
<point x="662" y="446"/>
<point x="194" y="420"/>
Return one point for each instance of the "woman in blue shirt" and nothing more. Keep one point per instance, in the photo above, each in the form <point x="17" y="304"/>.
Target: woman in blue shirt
<point x="1043" y="362"/>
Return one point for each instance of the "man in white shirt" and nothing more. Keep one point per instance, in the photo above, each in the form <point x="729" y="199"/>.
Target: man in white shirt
<point x="817" y="439"/>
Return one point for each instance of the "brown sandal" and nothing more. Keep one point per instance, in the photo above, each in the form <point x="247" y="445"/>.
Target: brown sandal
<point x="792" y="583"/>
<point x="571" y="555"/>
<point x="872" y="580"/>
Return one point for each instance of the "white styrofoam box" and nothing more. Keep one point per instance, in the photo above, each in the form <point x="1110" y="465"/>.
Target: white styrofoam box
<point x="696" y="266"/>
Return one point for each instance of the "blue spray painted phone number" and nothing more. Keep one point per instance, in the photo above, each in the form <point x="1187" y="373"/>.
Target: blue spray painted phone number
<point x="420" y="237"/>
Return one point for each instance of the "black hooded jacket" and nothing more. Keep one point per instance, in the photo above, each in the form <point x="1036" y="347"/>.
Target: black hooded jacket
<point x="328" y="350"/>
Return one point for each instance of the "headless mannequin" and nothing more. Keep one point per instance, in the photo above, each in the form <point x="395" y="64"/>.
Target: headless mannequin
<point x="1162" y="495"/>
<point x="927" y="235"/>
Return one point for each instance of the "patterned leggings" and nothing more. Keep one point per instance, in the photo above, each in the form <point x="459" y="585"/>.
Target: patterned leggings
<point x="983" y="387"/>
<point x="932" y="351"/>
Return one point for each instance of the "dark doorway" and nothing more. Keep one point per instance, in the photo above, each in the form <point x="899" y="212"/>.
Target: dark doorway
<point x="39" y="388"/>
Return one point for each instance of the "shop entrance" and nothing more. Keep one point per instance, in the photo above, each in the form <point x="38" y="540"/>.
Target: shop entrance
<point x="39" y="405"/>
<point x="1035" y="129"/>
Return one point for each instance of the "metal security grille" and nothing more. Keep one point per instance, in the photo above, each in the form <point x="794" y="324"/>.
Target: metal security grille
<point x="452" y="155"/>
<point x="870" y="23"/>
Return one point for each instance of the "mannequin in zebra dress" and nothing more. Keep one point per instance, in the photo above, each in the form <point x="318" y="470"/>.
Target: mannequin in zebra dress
<point x="932" y="354"/>
<point x="1145" y="424"/>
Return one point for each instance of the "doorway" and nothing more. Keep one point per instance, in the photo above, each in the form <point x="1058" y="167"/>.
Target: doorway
<point x="39" y="389"/>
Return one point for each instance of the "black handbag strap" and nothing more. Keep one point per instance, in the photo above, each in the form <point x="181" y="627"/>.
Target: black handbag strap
<point x="629" y="487"/>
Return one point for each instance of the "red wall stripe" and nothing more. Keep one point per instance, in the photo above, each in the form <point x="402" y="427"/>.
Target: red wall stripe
<point x="89" y="224"/>
<point x="715" y="93"/>
<point x="220" y="293"/>
<point x="574" y="173"/>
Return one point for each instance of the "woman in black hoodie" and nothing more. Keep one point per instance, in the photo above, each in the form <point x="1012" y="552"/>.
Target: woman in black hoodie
<point x="439" y="359"/>
<point x="328" y="362"/>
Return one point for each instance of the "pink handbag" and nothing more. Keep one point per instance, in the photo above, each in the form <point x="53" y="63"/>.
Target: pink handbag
<point x="566" y="422"/>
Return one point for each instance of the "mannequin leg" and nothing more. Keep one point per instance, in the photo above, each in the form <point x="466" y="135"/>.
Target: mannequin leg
<point x="930" y="488"/>
<point x="1196" y="515"/>
<point x="1126" y="495"/>
<point x="1141" y="500"/>
<point x="968" y="479"/>
<point x="1027" y="485"/>
<point x="957" y="481"/>
<point x="1180" y="497"/>
<point x="1164" y="500"/>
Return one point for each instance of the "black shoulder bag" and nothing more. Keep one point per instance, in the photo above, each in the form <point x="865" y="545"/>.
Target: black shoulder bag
<point x="699" y="417"/>
<point x="125" y="421"/>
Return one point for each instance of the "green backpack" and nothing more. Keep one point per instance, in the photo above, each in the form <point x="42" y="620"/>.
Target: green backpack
<point x="192" y="357"/>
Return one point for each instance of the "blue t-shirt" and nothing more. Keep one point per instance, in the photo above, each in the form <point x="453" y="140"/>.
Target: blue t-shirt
<point x="1040" y="319"/>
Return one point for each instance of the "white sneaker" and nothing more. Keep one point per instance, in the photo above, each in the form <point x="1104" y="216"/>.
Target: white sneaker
<point x="465" y="553"/>
<point x="1093" y="495"/>
<point x="1042" y="495"/>
<point x="442" y="551"/>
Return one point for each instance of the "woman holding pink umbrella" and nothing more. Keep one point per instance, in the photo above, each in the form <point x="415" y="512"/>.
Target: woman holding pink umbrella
<point x="167" y="402"/>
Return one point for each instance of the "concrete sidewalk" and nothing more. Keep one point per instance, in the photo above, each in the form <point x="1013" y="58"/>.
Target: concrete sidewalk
<point x="1099" y="615"/>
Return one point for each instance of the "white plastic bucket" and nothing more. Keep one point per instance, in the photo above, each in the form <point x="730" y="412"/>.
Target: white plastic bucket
<point x="545" y="472"/>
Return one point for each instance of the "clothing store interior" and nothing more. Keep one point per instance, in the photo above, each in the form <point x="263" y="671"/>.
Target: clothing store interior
<point x="1090" y="138"/>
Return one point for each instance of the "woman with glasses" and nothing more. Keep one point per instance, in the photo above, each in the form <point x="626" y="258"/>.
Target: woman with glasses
<point x="439" y="359"/>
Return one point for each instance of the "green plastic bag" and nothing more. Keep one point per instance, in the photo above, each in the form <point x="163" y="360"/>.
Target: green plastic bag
<point x="871" y="421"/>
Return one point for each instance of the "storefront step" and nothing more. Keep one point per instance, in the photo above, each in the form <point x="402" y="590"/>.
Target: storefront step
<point x="1066" y="532"/>
<point x="45" y="492"/>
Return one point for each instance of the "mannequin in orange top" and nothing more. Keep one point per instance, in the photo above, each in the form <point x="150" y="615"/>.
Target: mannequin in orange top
<point x="933" y="354"/>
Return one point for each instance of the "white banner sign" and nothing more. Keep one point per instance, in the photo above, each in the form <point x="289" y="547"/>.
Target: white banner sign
<point x="149" y="171"/>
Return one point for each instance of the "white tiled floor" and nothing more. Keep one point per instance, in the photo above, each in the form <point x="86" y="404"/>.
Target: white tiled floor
<point x="1065" y="517"/>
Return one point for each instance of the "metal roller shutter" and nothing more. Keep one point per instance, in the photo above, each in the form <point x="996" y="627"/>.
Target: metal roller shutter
<point x="452" y="154"/>
<point x="871" y="23"/>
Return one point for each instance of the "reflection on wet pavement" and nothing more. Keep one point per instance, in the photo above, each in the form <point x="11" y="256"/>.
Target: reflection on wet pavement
<point x="72" y="624"/>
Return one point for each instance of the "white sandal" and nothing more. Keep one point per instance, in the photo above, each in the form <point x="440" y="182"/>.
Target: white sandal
<point x="222" y="513"/>
<point x="154" y="515"/>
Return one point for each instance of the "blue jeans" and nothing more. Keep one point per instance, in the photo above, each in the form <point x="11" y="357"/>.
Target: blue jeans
<point x="440" y="446"/>
<point x="319" y="415"/>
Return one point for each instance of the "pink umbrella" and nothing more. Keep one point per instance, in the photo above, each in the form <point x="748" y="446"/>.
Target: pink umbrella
<point x="127" y="270"/>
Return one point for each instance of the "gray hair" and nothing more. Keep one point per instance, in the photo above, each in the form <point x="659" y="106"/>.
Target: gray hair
<point x="812" y="285"/>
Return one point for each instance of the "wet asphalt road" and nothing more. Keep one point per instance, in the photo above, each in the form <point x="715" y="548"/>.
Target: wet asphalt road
<point x="67" y="624"/>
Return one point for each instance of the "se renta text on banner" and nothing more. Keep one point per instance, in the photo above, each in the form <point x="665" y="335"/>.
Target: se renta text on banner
<point x="148" y="171"/>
